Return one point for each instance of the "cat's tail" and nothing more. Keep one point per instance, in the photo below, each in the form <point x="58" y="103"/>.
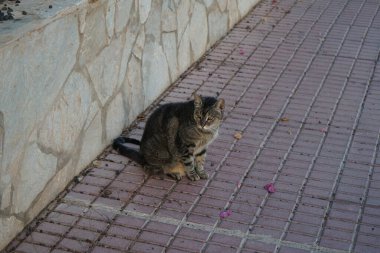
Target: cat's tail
<point x="133" y="154"/>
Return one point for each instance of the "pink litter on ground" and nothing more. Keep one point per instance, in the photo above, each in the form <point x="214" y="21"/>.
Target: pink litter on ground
<point x="225" y="214"/>
<point x="270" y="188"/>
<point x="324" y="130"/>
<point x="238" y="185"/>
<point x="241" y="51"/>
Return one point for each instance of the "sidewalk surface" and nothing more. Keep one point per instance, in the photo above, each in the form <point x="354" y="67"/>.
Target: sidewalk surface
<point x="301" y="81"/>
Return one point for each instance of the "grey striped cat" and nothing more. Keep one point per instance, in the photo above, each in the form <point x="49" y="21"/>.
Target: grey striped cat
<point x="176" y="137"/>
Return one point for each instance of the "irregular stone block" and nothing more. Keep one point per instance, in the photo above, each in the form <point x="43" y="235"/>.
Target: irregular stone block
<point x="222" y="5"/>
<point x="104" y="70"/>
<point x="153" y="22"/>
<point x="184" y="52"/>
<point x="217" y="25"/>
<point x="169" y="42"/>
<point x="92" y="142"/>
<point x="115" y="118"/>
<point x="130" y="38"/>
<point x="36" y="170"/>
<point x="5" y="192"/>
<point x="94" y="35"/>
<point x="233" y="13"/>
<point x="9" y="227"/>
<point x="110" y="18"/>
<point x="183" y="17"/>
<point x="155" y="72"/>
<point x="169" y="20"/>
<point x="82" y="20"/>
<point x="208" y="3"/>
<point x="139" y="44"/>
<point x="55" y="185"/>
<point x="198" y="31"/>
<point x="65" y="122"/>
<point x="122" y="12"/>
<point x="92" y="112"/>
<point x="133" y="89"/>
<point x="144" y="9"/>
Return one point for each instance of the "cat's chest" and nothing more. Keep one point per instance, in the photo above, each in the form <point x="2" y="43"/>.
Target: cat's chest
<point x="205" y="141"/>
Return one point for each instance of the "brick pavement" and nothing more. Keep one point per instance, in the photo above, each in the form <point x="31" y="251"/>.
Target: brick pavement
<point x="301" y="81"/>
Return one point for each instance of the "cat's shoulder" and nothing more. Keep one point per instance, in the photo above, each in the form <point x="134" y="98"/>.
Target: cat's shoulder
<point x="177" y="107"/>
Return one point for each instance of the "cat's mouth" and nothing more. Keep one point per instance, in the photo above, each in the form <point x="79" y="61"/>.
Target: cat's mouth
<point x="208" y="128"/>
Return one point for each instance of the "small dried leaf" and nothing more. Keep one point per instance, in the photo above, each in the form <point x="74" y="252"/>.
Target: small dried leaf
<point x="238" y="136"/>
<point x="284" y="119"/>
<point x="96" y="163"/>
<point x="107" y="192"/>
<point x="141" y="117"/>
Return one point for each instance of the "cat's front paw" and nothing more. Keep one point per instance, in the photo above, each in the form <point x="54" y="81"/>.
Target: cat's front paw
<point x="176" y="176"/>
<point x="192" y="175"/>
<point x="202" y="174"/>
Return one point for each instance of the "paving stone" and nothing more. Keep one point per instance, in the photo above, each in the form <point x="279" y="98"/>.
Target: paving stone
<point x="74" y="245"/>
<point x="47" y="227"/>
<point x="42" y="238"/>
<point x="114" y="242"/>
<point x="32" y="248"/>
<point x="82" y="234"/>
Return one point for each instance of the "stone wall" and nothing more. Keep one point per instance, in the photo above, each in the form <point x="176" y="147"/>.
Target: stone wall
<point x="74" y="76"/>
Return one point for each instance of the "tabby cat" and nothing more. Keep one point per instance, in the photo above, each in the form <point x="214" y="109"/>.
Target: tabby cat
<point x="176" y="137"/>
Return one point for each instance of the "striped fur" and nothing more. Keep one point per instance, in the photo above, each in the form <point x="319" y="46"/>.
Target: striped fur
<point x="176" y="137"/>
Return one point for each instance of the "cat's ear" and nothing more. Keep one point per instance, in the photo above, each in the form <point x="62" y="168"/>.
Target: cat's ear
<point x="197" y="101"/>
<point x="220" y="104"/>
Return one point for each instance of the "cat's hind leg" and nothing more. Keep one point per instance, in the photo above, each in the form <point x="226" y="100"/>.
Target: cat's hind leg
<point x="153" y="169"/>
<point x="176" y="171"/>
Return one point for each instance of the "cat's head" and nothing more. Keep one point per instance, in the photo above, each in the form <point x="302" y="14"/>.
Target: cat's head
<point x="208" y="112"/>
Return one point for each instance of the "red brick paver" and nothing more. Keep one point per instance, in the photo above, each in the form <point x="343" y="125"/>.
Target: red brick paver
<point x="301" y="81"/>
